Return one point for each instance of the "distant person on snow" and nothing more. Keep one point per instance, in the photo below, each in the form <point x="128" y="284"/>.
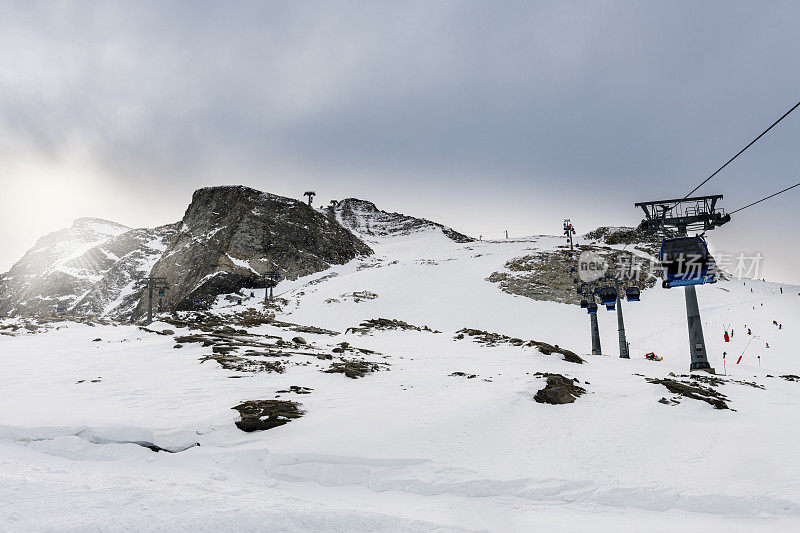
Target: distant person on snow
<point x="780" y="326"/>
<point x="749" y="332"/>
<point x="781" y="290"/>
<point x="726" y="337"/>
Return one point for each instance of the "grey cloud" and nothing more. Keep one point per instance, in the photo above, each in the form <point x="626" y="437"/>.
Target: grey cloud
<point x="604" y="103"/>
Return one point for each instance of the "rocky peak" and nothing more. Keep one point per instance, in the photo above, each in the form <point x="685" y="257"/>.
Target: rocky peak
<point x="98" y="226"/>
<point x="364" y="219"/>
<point x="233" y="236"/>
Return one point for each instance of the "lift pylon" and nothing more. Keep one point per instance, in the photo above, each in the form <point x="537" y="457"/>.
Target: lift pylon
<point x="698" y="213"/>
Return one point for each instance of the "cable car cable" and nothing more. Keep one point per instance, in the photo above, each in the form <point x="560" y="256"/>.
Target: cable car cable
<point x="766" y="198"/>
<point x="742" y="150"/>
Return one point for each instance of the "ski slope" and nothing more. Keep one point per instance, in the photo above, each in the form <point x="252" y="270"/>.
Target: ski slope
<point x="411" y="447"/>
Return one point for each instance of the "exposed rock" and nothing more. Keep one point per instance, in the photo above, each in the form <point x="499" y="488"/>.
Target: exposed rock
<point x="246" y="364"/>
<point x="231" y="237"/>
<point x="386" y="323"/>
<point x="248" y="317"/>
<point x="296" y="389"/>
<point x="303" y="329"/>
<point x="716" y="381"/>
<point x="369" y="222"/>
<point x="162" y="332"/>
<point x="693" y="390"/>
<point x="463" y="375"/>
<point x="546" y="276"/>
<point x="493" y="339"/>
<point x="299" y="340"/>
<point x="257" y="415"/>
<point x="624" y="235"/>
<point x="353" y="368"/>
<point x="558" y="390"/>
<point x="791" y="377"/>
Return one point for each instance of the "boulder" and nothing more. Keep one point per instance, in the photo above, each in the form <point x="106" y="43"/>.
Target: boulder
<point x="257" y="415"/>
<point x="558" y="390"/>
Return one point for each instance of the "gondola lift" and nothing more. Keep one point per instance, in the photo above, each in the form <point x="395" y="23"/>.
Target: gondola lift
<point x="686" y="261"/>
<point x="632" y="294"/>
<point x="608" y="295"/>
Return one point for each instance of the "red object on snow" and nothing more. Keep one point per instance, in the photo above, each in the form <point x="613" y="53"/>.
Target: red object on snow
<point x="740" y="358"/>
<point x="727" y="338"/>
<point x="767" y="345"/>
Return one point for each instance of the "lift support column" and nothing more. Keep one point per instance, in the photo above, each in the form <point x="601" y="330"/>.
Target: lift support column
<point x="623" y="341"/>
<point x="596" y="350"/>
<point x="697" y="343"/>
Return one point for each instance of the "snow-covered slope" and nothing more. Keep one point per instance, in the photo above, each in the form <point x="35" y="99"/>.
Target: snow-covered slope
<point x="440" y="434"/>
<point x="372" y="224"/>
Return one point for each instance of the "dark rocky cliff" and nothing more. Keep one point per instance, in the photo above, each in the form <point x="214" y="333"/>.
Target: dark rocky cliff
<point x="233" y="236"/>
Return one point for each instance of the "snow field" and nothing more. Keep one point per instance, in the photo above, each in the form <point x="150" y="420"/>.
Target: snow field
<point x="410" y="448"/>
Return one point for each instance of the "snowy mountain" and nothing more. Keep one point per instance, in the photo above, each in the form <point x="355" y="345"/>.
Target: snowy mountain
<point x="62" y="267"/>
<point x="371" y="224"/>
<point x="403" y="391"/>
<point x="118" y="292"/>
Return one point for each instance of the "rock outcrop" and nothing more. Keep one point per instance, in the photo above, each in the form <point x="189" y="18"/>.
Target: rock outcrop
<point x="232" y="237"/>
<point x="559" y="389"/>
<point x="370" y="223"/>
<point x="545" y="275"/>
<point x="646" y="241"/>
<point x="258" y="415"/>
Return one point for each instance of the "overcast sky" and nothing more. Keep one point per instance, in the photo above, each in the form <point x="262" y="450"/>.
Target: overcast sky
<point x="485" y="116"/>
